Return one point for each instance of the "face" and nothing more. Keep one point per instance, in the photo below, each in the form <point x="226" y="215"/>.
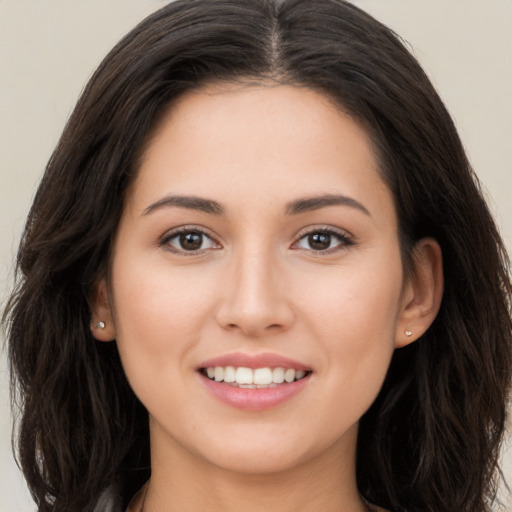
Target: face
<point x="258" y="243"/>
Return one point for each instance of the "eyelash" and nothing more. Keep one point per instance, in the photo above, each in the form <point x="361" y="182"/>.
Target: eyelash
<point x="185" y="230"/>
<point x="344" y="240"/>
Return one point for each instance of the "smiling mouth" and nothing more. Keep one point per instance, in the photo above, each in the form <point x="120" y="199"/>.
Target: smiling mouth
<point x="258" y="378"/>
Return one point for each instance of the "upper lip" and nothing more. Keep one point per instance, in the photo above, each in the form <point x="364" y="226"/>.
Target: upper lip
<point x="267" y="359"/>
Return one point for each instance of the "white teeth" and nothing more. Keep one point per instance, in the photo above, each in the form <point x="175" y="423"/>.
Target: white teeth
<point x="289" y="375"/>
<point x="278" y="375"/>
<point x="299" y="374"/>
<point x="219" y="373"/>
<point x="229" y="374"/>
<point x="263" y="376"/>
<point x="258" y="378"/>
<point x="244" y="376"/>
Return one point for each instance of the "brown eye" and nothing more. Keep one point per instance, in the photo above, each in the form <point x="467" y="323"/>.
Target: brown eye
<point x="319" y="241"/>
<point x="189" y="241"/>
<point x="323" y="241"/>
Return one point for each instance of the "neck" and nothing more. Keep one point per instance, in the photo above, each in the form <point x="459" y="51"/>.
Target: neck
<point x="325" y="482"/>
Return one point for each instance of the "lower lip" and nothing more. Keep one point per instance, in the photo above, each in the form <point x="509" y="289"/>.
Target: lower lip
<point x="254" y="399"/>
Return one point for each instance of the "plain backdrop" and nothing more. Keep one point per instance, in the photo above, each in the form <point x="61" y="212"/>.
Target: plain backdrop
<point x="49" y="48"/>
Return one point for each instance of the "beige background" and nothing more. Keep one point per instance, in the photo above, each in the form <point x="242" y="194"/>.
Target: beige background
<point x="49" y="48"/>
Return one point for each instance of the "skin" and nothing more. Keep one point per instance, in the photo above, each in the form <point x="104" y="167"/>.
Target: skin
<point x="257" y="285"/>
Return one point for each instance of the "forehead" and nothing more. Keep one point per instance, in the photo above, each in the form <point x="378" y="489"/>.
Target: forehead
<point x="260" y="142"/>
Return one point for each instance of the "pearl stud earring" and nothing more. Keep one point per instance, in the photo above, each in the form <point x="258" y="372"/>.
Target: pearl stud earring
<point x="100" y="325"/>
<point x="408" y="333"/>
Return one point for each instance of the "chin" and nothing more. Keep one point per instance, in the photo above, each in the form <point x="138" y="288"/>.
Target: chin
<point x="264" y="454"/>
<point x="254" y="464"/>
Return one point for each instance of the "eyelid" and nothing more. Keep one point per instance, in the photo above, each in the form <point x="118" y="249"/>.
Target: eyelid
<point x="187" y="228"/>
<point x="346" y="238"/>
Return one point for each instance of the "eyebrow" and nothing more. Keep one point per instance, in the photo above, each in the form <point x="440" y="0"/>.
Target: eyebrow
<point x="306" y="204"/>
<point x="188" y="202"/>
<point x="309" y="204"/>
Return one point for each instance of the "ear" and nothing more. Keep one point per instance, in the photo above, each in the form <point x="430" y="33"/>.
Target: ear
<point x="102" y="322"/>
<point x="422" y="293"/>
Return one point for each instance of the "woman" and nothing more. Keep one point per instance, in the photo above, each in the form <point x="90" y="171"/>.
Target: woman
<point x="258" y="273"/>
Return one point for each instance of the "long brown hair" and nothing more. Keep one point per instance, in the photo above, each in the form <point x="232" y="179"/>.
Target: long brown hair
<point x="430" y="442"/>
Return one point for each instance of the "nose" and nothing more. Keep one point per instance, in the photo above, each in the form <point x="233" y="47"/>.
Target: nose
<point x="255" y="300"/>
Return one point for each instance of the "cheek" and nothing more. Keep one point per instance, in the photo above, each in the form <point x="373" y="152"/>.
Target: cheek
<point x="159" y="313"/>
<point x="157" y="297"/>
<point x="353" y="316"/>
<point x="356" y="300"/>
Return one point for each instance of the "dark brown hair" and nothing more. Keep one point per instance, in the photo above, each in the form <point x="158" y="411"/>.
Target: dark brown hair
<point x="430" y="442"/>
